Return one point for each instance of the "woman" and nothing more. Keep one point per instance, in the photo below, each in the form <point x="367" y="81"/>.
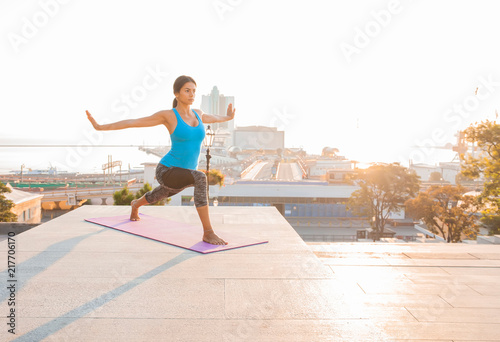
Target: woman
<point x="177" y="169"/>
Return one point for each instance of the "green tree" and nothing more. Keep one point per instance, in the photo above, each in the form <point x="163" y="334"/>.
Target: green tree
<point x="384" y="188"/>
<point x="6" y="205"/>
<point x="87" y="202"/>
<point x="123" y="197"/>
<point x="446" y="212"/>
<point x="486" y="136"/>
<point x="491" y="219"/>
<point x="146" y="188"/>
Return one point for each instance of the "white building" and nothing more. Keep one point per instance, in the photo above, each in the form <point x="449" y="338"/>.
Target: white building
<point x="150" y="174"/>
<point x="448" y="171"/>
<point x="259" y="137"/>
<point x="424" y="171"/>
<point x="320" y="167"/>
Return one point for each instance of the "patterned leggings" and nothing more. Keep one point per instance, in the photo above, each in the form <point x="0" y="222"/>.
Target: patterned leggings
<point x="174" y="179"/>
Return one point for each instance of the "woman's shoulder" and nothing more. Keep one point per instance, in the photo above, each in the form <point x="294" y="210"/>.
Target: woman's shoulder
<point x="168" y="113"/>
<point x="198" y="111"/>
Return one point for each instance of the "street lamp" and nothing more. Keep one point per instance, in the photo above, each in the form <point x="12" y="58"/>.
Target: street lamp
<point x="208" y="141"/>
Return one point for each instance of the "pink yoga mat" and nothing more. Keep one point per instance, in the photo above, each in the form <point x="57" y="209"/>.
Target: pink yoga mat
<point x="175" y="233"/>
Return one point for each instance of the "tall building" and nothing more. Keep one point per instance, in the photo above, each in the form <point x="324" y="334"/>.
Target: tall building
<point x="216" y="103"/>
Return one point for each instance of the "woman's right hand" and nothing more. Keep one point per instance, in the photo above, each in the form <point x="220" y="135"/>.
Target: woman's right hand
<point x="92" y="121"/>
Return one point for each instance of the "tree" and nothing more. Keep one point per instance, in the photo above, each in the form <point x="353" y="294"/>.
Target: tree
<point x="215" y="177"/>
<point x="486" y="136"/>
<point x="384" y="188"/>
<point x="460" y="178"/>
<point x="123" y="197"/>
<point x="491" y="219"/>
<point x="435" y="177"/>
<point x="146" y="188"/>
<point x="6" y="205"/>
<point x="445" y="211"/>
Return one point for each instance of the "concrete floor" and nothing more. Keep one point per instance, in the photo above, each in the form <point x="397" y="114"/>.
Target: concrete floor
<point x="431" y="292"/>
<point x="78" y="281"/>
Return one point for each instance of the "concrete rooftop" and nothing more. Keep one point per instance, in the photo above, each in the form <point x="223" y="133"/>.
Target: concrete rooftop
<point x="78" y="281"/>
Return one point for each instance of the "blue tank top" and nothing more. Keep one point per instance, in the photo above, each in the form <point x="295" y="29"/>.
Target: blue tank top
<point x="186" y="144"/>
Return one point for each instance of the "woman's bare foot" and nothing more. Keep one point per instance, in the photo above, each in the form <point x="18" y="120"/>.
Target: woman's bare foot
<point x="134" y="216"/>
<point x="212" y="238"/>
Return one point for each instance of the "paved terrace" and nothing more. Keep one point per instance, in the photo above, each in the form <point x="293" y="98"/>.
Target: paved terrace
<point x="78" y="281"/>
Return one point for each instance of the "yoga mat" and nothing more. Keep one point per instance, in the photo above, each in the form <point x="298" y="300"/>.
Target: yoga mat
<point x="174" y="233"/>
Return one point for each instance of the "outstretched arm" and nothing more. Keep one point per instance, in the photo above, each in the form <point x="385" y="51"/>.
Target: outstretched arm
<point x="148" y="121"/>
<point x="209" y="118"/>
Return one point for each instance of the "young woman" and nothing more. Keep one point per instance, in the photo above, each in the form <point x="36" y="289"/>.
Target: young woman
<point x="177" y="169"/>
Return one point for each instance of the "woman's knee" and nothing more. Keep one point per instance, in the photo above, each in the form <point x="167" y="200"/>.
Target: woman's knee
<point x="158" y="193"/>
<point x="200" y="189"/>
<point x="199" y="177"/>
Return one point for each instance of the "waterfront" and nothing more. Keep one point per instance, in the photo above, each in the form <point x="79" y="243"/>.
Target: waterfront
<point x="67" y="159"/>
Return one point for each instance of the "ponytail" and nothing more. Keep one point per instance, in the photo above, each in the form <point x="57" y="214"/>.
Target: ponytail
<point x="175" y="103"/>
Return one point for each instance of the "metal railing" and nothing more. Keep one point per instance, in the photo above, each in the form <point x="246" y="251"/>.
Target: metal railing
<point x="329" y="238"/>
<point x="82" y="192"/>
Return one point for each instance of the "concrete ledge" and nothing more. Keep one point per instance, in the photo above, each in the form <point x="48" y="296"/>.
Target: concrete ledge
<point x="17" y="227"/>
<point x="72" y="275"/>
<point x="486" y="239"/>
<point x="77" y="281"/>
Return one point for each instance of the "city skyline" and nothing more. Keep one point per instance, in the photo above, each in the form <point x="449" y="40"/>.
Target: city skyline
<point x="380" y="81"/>
<point x="216" y="103"/>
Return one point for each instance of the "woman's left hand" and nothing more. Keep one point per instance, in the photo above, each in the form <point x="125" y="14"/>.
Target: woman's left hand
<point x="231" y="111"/>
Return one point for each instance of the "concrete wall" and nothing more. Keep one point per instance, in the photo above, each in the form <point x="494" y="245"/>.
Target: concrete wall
<point x="17" y="227"/>
<point x="449" y="175"/>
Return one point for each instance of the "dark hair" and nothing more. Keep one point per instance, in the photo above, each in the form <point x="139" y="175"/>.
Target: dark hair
<point x="179" y="83"/>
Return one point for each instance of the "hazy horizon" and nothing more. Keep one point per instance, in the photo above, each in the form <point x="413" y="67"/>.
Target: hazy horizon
<point x="382" y="81"/>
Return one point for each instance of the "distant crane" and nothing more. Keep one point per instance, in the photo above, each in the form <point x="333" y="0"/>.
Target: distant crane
<point x="109" y="167"/>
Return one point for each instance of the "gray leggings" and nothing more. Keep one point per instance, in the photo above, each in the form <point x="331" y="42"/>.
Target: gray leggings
<point x="174" y="179"/>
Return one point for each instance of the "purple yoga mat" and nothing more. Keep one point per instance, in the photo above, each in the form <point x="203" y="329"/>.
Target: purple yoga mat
<point x="174" y="233"/>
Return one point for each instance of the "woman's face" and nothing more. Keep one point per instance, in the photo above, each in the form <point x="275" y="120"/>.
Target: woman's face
<point x="187" y="93"/>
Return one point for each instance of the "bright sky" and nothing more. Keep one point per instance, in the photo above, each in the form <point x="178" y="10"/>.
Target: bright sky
<point x="374" y="79"/>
